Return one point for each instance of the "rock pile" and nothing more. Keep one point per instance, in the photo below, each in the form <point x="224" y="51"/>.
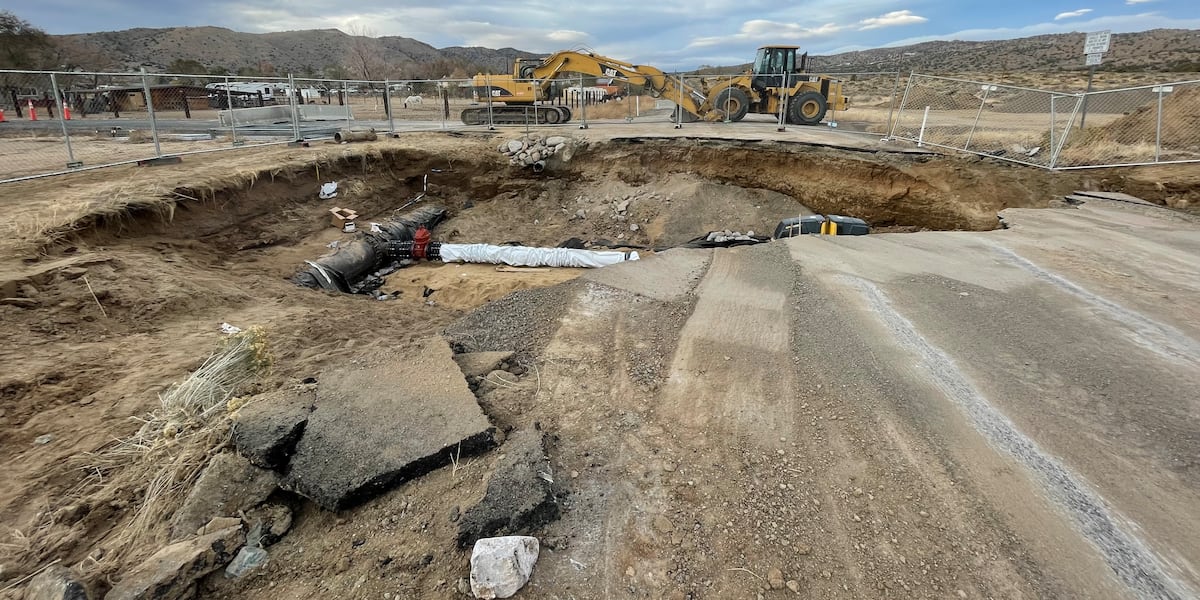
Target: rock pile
<point x="730" y="236"/>
<point x="533" y="149"/>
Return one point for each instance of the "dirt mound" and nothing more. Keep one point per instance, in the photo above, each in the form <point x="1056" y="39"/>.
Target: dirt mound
<point x="1180" y="121"/>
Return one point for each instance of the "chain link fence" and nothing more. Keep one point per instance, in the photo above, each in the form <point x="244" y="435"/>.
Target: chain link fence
<point x="1131" y="126"/>
<point x="54" y="122"/>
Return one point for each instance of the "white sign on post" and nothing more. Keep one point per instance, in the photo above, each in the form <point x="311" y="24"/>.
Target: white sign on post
<point x="1097" y="42"/>
<point x="1093" y="60"/>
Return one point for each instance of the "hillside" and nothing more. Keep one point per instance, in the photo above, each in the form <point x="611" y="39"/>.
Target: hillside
<point x="312" y="52"/>
<point x="1155" y="50"/>
<point x="298" y="52"/>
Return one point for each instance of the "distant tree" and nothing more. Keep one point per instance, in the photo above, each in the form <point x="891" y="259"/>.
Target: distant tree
<point x="364" y="56"/>
<point x="22" y="46"/>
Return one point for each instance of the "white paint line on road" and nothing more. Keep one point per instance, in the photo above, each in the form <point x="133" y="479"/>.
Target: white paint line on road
<point x="1162" y="339"/>
<point x="1128" y="555"/>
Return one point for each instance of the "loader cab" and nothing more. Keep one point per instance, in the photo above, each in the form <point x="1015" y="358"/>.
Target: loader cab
<point x="774" y="64"/>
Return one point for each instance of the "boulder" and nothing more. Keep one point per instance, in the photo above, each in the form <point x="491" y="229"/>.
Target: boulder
<point x="520" y="495"/>
<point x="228" y="485"/>
<point x="515" y="146"/>
<point x="555" y="140"/>
<point x="56" y="583"/>
<point x="478" y="364"/>
<point x="266" y="430"/>
<point x="501" y="566"/>
<point x="171" y="573"/>
<point x="378" y="426"/>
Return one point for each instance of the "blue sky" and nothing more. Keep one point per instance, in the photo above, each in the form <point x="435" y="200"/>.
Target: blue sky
<point x="665" y="33"/>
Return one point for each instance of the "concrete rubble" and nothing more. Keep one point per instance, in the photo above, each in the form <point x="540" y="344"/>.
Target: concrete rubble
<point x="501" y="566"/>
<point x="228" y="485"/>
<point x="520" y="495"/>
<point x="376" y="427"/>
<point x="172" y="572"/>
<point x="533" y="149"/>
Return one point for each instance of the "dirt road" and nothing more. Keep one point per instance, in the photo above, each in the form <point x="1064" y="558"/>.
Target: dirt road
<point x="1003" y="414"/>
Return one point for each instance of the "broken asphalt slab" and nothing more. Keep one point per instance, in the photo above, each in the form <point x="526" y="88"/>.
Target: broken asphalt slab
<point x="479" y="364"/>
<point x="267" y="429"/>
<point x="376" y="427"/>
<point x="520" y="495"/>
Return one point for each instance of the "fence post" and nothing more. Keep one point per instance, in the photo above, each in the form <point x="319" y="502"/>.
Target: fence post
<point x="232" y="116"/>
<point x="346" y="95"/>
<point x="903" y="101"/>
<point x="582" y="105"/>
<point x="1158" y="125"/>
<point x="150" y="110"/>
<point x="67" y="135"/>
<point x="783" y="100"/>
<point x="921" y="135"/>
<point x="487" y="81"/>
<point x="892" y="108"/>
<point x="679" y="105"/>
<point x="986" y="90"/>
<point x="1053" y="122"/>
<point x="295" y="108"/>
<point x="387" y="106"/>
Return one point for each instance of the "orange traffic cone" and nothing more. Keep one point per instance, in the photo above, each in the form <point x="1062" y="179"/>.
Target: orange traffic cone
<point x="1" y="115"/>
<point x="66" y="112"/>
<point x="32" y="111"/>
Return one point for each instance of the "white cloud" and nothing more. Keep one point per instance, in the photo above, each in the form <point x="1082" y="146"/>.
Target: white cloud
<point x="892" y="19"/>
<point x="1134" y="2"/>
<point x="1072" y="14"/>
<point x="762" y="30"/>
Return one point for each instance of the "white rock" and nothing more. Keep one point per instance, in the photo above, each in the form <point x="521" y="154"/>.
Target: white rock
<point x="634" y="227"/>
<point x="559" y="148"/>
<point x="536" y="156"/>
<point x="502" y="149"/>
<point x="515" y="146"/>
<point x="523" y="155"/>
<point x="622" y="206"/>
<point x="500" y="566"/>
<point x="556" y="140"/>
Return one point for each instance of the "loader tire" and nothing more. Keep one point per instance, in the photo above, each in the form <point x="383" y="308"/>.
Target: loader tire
<point x="733" y="102"/>
<point x="807" y="109"/>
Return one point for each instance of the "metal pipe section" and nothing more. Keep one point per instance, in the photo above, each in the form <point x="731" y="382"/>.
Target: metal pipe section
<point x="346" y="266"/>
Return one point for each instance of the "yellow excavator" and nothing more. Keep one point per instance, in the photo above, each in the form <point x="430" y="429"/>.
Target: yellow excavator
<point x="778" y="75"/>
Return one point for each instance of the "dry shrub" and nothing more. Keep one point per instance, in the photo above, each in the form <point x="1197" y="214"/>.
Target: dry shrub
<point x="162" y="460"/>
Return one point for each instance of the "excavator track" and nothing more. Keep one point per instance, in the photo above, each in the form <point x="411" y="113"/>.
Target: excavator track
<point x="517" y="115"/>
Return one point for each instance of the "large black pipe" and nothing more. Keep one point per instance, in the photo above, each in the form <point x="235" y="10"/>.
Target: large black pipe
<point x="341" y="269"/>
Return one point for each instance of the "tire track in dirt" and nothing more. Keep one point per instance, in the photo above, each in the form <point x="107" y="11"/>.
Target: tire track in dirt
<point x="1126" y="554"/>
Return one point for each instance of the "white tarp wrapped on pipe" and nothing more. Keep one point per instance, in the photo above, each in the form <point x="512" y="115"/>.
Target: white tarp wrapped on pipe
<point x="522" y="256"/>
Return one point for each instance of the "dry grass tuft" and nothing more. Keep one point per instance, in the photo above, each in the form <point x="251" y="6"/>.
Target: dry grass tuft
<point x="175" y="442"/>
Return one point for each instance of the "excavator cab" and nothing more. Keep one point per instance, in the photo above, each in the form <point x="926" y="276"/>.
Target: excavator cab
<point x="774" y="64"/>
